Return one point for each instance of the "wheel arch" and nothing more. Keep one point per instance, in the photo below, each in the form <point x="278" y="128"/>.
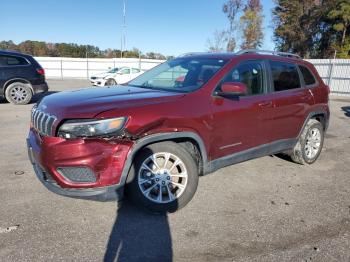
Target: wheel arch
<point x="320" y="116"/>
<point x="15" y="80"/>
<point x="177" y="137"/>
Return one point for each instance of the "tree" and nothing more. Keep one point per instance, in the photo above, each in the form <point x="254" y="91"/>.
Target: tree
<point x="304" y="27"/>
<point x="340" y="16"/>
<point x="313" y="28"/>
<point x="231" y="9"/>
<point x="38" y="48"/>
<point x="217" y="43"/>
<point x="251" y="23"/>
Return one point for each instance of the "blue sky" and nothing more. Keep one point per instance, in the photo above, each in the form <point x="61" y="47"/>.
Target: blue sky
<point x="165" y="26"/>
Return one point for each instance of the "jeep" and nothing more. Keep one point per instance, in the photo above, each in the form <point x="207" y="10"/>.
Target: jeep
<point x="187" y="117"/>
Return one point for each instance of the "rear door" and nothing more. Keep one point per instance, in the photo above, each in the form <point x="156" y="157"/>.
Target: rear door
<point x="242" y="123"/>
<point x="13" y="67"/>
<point x="290" y="100"/>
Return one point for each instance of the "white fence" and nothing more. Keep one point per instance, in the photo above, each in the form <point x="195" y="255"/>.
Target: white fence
<point x="335" y="73"/>
<point x="64" y="67"/>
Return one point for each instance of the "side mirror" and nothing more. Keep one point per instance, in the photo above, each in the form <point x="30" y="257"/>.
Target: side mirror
<point x="232" y="89"/>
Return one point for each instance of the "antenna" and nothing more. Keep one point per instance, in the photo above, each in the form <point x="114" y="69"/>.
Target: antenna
<point x="123" y="37"/>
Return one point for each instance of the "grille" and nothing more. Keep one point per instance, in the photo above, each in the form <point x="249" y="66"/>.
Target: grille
<point x="77" y="174"/>
<point x="43" y="122"/>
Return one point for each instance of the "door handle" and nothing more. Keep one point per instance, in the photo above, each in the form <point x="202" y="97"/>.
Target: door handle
<point x="265" y="104"/>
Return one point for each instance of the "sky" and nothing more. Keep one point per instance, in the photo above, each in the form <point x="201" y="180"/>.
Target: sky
<point x="164" y="26"/>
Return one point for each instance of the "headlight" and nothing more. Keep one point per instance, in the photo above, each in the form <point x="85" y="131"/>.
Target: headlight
<point x="91" y="128"/>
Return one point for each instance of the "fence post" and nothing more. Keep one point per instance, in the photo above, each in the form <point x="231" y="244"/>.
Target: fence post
<point x="332" y="62"/>
<point x="140" y="61"/>
<point x="61" y="70"/>
<point x="87" y="67"/>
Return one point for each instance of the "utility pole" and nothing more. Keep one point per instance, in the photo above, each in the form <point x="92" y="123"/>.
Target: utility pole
<point x="123" y="37"/>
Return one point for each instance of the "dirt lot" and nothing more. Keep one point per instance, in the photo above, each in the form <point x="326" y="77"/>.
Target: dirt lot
<point x="267" y="209"/>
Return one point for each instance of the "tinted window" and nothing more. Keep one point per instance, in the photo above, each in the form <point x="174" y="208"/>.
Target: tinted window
<point x="134" y="70"/>
<point x="285" y="76"/>
<point x="12" y="60"/>
<point x="309" y="79"/>
<point x="251" y="74"/>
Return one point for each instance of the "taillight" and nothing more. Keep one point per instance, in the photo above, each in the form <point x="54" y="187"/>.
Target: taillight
<point x="40" y="71"/>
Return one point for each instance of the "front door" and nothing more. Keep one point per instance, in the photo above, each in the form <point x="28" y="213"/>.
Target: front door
<point x="242" y="123"/>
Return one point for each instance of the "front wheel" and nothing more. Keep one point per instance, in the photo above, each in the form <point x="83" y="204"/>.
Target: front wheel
<point x="110" y="82"/>
<point x="163" y="178"/>
<point x="310" y="143"/>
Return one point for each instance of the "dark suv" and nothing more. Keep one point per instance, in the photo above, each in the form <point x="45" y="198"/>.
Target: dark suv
<point x="156" y="135"/>
<point x="21" y="77"/>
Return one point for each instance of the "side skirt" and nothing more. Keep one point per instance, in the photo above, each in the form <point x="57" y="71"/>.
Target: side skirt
<point x="259" y="151"/>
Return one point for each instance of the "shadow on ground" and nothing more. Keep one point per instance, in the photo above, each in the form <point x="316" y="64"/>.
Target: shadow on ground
<point x="346" y="110"/>
<point x="139" y="236"/>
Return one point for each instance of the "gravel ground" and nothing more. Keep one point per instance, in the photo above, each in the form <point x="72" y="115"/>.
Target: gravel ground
<point x="266" y="209"/>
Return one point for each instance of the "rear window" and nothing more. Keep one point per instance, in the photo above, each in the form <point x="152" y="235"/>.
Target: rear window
<point x="309" y="79"/>
<point x="285" y="76"/>
<point x="12" y="60"/>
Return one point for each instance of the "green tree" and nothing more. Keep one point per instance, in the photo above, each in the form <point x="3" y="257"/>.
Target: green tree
<point x="251" y="23"/>
<point x="39" y="48"/>
<point x="340" y="19"/>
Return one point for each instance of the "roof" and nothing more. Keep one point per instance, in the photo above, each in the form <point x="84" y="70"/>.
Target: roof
<point x="248" y="52"/>
<point x="12" y="52"/>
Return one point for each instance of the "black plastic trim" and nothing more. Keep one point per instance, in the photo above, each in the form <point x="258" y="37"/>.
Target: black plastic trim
<point x="259" y="151"/>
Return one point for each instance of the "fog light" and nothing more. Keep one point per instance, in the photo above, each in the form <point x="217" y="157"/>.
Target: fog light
<point x="77" y="174"/>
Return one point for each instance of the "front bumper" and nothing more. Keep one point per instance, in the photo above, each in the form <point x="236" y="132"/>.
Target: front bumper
<point x="98" y="82"/>
<point x="106" y="160"/>
<point x="40" y="88"/>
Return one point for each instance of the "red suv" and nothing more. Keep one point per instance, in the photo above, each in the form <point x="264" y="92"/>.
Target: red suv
<point x="154" y="136"/>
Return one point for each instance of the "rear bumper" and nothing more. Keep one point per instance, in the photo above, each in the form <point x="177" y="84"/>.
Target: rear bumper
<point x="40" y="88"/>
<point x="105" y="160"/>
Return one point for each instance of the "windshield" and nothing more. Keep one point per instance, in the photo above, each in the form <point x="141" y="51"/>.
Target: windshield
<point x="183" y="74"/>
<point x="113" y="70"/>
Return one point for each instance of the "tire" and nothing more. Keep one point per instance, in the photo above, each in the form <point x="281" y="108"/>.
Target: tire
<point x="18" y="93"/>
<point x="172" y="197"/>
<point x="304" y="151"/>
<point x="110" y="82"/>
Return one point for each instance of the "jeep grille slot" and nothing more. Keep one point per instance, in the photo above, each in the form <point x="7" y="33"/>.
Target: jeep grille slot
<point x="43" y="122"/>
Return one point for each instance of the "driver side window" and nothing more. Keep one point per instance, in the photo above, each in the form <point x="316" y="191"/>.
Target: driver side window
<point x="251" y="74"/>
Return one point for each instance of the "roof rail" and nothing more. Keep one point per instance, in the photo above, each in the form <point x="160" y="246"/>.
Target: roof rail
<point x="246" y="51"/>
<point x="191" y="53"/>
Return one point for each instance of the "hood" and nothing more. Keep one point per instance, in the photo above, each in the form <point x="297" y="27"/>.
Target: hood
<point x="103" y="75"/>
<point x="89" y="102"/>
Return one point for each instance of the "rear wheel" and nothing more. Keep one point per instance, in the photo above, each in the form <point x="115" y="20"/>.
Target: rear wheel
<point x="18" y="93"/>
<point x="163" y="178"/>
<point x="310" y="143"/>
<point x="110" y="82"/>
